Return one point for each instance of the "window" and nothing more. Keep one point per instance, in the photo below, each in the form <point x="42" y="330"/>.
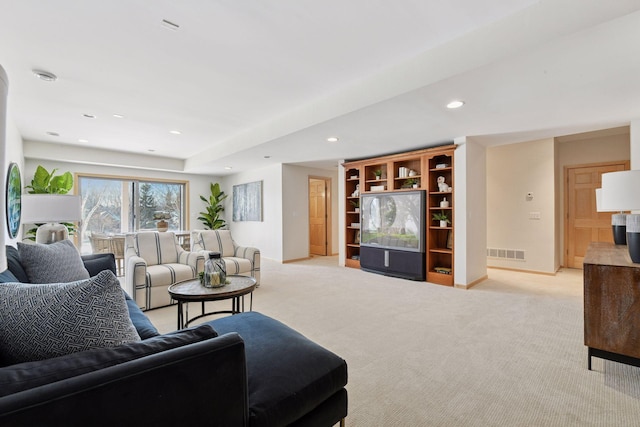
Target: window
<point x="113" y="205"/>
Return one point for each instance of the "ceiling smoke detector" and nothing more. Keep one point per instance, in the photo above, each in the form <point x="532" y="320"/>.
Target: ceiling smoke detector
<point x="45" y="75"/>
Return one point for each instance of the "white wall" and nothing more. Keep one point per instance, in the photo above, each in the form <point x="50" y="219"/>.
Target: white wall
<point x="265" y="235"/>
<point x="512" y="172"/>
<point x="295" y="209"/>
<point x="198" y="184"/>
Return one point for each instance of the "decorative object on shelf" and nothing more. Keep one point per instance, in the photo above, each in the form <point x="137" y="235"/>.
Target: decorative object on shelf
<point x="621" y="192"/>
<point x="377" y="173"/>
<point x="354" y="177"/>
<point x="444" y="203"/>
<point x="356" y="192"/>
<point x="356" y="205"/>
<point x="211" y="217"/>
<point x="48" y="211"/>
<point x="441" y="165"/>
<point x="161" y="217"/>
<point x="450" y="239"/>
<point x="377" y="188"/>
<point x="44" y="182"/>
<point x="442" y="217"/>
<point x="412" y="172"/>
<point x="14" y="199"/>
<point x="247" y="202"/>
<point x="442" y="185"/>
<point x="403" y="172"/>
<point x="355" y="225"/>
<point x="356" y="237"/>
<point x="442" y="270"/>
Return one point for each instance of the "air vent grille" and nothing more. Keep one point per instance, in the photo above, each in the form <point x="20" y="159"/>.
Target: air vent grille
<point x="509" y="254"/>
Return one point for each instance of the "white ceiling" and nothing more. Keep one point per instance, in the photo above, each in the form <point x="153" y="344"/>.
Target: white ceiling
<point x="242" y="80"/>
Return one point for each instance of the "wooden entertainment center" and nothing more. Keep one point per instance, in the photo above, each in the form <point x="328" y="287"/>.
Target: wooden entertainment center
<point x="408" y="171"/>
<point x="611" y="304"/>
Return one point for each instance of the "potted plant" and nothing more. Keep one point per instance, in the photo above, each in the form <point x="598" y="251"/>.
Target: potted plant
<point x="442" y="217"/>
<point x="161" y="217"/>
<point x="211" y="217"/>
<point x="356" y="205"/>
<point x="410" y="183"/>
<point x="378" y="173"/>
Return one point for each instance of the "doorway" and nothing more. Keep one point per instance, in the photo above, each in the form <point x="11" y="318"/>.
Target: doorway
<point x="583" y="223"/>
<point x="319" y="218"/>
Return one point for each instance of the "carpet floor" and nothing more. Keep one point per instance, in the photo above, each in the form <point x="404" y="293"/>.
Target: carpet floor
<point x="508" y="352"/>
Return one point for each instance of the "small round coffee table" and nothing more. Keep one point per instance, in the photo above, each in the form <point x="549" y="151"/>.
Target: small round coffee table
<point x="193" y="291"/>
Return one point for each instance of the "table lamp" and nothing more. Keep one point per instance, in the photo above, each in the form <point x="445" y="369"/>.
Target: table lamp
<point x="49" y="210"/>
<point x="621" y="191"/>
<point x="618" y="221"/>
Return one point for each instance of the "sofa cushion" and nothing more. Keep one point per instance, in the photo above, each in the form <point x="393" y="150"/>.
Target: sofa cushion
<point x="283" y="386"/>
<point x="95" y="263"/>
<point x="7" y="277"/>
<point x="15" y="266"/>
<point x="54" y="263"/>
<point x="27" y="375"/>
<point x="48" y="320"/>
<point x="141" y="322"/>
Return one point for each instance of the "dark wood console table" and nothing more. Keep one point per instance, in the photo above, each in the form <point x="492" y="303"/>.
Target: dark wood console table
<point x="611" y="304"/>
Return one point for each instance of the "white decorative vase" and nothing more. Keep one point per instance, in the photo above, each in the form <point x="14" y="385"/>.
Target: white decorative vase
<point x="443" y="224"/>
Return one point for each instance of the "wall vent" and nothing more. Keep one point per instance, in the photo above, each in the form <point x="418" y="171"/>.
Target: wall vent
<point x="508" y="254"/>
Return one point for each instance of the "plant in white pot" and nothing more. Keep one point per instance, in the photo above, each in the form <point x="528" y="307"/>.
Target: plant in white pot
<point x="442" y="217"/>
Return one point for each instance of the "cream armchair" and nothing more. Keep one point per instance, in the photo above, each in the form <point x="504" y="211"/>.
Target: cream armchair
<point x="241" y="260"/>
<point x="155" y="261"/>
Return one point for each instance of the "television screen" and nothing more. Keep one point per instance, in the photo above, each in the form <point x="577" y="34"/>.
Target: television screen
<point x="393" y="220"/>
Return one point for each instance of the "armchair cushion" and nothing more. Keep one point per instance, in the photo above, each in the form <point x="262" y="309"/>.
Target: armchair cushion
<point x="49" y="320"/>
<point x="215" y="241"/>
<point x="27" y="375"/>
<point x="54" y="263"/>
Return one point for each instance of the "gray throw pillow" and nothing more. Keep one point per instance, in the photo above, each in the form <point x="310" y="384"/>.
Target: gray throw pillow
<point x="55" y="263"/>
<point x="49" y="320"/>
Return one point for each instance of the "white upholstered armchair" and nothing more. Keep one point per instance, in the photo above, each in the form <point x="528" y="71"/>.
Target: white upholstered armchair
<point x="241" y="260"/>
<point x="155" y="261"/>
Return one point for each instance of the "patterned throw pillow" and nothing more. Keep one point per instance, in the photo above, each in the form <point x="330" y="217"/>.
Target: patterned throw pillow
<point x="48" y="320"/>
<point x="55" y="263"/>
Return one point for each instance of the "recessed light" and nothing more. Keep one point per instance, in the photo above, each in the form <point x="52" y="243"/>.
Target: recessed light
<point x="89" y="116"/>
<point x="332" y="139"/>
<point x="118" y="116"/>
<point x="170" y="25"/>
<point x="267" y="157"/>
<point x="83" y="140"/>
<point x="175" y="132"/>
<point x="45" y="75"/>
<point x="228" y="168"/>
<point x="455" y="104"/>
<point x="53" y="134"/>
<point x="151" y="150"/>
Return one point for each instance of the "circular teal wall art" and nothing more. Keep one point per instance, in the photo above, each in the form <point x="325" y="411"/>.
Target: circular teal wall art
<point x="14" y="199"/>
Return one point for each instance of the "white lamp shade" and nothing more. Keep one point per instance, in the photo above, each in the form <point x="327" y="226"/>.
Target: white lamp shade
<point x="42" y="208"/>
<point x="620" y="191"/>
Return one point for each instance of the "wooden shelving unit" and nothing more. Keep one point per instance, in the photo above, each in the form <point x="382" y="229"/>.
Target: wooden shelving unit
<point x="400" y="172"/>
<point x="352" y="187"/>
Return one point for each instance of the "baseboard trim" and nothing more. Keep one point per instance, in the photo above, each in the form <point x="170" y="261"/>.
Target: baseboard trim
<point x="287" y="261"/>
<point x="472" y="284"/>
<point x="519" y="270"/>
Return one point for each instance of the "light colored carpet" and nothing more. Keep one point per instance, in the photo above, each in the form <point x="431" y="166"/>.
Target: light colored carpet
<point x="508" y="352"/>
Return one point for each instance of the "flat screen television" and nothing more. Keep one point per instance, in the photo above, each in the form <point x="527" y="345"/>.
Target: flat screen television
<point x="393" y="220"/>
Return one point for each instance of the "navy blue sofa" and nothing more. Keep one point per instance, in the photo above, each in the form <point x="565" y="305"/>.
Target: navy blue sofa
<point x="242" y="370"/>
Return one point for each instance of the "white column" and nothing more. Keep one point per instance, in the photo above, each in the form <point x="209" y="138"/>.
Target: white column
<point x="4" y="88"/>
<point x="635" y="144"/>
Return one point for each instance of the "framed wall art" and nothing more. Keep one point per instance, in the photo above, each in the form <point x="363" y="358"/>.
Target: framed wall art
<point x="13" y="200"/>
<point x="247" y="202"/>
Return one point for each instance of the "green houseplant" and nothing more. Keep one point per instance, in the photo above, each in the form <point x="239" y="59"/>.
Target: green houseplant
<point x="211" y="216"/>
<point x="442" y="217"/>
<point x="45" y="182"/>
